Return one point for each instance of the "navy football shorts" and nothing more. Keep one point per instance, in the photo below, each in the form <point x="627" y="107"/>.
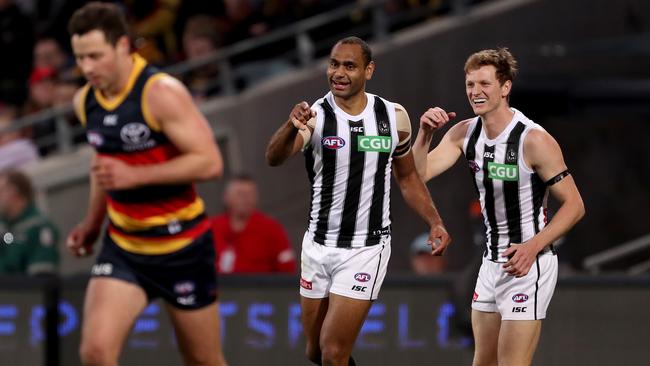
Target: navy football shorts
<point x="186" y="279"/>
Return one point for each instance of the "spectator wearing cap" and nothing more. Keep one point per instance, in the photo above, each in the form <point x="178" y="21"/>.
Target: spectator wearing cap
<point x="422" y="262"/>
<point x="41" y="89"/>
<point x="28" y="239"/>
<point x="48" y="53"/>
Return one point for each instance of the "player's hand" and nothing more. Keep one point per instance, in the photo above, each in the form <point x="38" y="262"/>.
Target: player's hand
<point x="301" y="114"/>
<point x="521" y="258"/>
<point x="113" y="173"/>
<point x="439" y="239"/>
<point x="81" y="239"/>
<point x="434" y="118"/>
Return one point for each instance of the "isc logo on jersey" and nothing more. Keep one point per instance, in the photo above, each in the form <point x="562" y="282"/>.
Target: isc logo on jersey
<point x="333" y="142"/>
<point x="503" y="171"/>
<point x="375" y="143"/>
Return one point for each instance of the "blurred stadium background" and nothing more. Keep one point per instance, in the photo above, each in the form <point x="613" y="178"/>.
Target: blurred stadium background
<point x="585" y="77"/>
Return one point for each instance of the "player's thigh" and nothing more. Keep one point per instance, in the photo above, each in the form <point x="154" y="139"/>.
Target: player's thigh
<point x="198" y="332"/>
<point x="110" y="309"/>
<point x="517" y="341"/>
<point x="360" y="272"/>
<point x="343" y="321"/>
<point x="486" y="327"/>
<point x="312" y="315"/>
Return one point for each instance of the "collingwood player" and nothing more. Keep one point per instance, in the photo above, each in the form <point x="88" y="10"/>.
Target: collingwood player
<point x="514" y="163"/>
<point x="351" y="140"/>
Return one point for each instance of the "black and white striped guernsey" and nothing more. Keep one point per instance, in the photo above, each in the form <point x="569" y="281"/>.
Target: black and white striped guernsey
<point x="513" y="197"/>
<point x="348" y="160"/>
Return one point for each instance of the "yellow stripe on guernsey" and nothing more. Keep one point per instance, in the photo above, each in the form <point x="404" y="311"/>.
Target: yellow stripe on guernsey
<point x="146" y="112"/>
<point x="128" y="223"/>
<point x="139" y="64"/>
<point x="79" y="108"/>
<point x="149" y="246"/>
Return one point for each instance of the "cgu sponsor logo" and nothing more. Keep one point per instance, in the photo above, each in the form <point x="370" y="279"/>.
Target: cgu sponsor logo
<point x="505" y="172"/>
<point x="375" y="143"/>
<point x="519" y="298"/>
<point x="475" y="297"/>
<point x="333" y="142"/>
<point x="362" y="277"/>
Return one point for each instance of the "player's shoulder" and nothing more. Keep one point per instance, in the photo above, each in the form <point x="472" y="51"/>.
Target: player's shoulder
<point x="164" y="83"/>
<point x="460" y="129"/>
<point x="538" y="136"/>
<point x="399" y="108"/>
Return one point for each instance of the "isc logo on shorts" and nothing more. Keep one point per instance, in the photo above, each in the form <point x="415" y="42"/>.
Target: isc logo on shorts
<point x="519" y="298"/>
<point x="362" y="277"/>
<point x="102" y="269"/>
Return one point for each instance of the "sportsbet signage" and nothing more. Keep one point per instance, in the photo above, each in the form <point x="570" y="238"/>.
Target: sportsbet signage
<point x="503" y="171"/>
<point x="375" y="143"/>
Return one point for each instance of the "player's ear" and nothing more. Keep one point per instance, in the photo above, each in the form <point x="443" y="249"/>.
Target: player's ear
<point x="123" y="45"/>
<point x="370" y="69"/>
<point x="505" y="88"/>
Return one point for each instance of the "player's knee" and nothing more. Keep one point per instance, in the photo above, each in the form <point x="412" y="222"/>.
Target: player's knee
<point x="333" y="353"/>
<point x="313" y="354"/>
<point x="96" y="354"/>
<point x="485" y="359"/>
<point x="200" y="358"/>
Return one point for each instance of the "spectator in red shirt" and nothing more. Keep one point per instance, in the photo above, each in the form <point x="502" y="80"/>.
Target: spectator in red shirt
<point x="248" y="241"/>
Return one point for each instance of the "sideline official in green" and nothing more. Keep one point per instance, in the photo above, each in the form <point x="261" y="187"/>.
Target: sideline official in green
<point x="28" y="239"/>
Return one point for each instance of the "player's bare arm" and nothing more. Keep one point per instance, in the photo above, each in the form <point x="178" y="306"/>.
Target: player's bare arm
<point x="417" y="196"/>
<point x="175" y="113"/>
<point x="81" y="238"/>
<point x="292" y="136"/>
<point x="432" y="163"/>
<point x="414" y="191"/>
<point x="544" y="156"/>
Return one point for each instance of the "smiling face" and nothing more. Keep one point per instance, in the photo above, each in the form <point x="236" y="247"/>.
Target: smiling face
<point x="484" y="91"/>
<point x="347" y="72"/>
<point x="99" y="60"/>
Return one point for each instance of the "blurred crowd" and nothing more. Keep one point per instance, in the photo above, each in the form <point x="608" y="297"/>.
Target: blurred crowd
<point x="37" y="70"/>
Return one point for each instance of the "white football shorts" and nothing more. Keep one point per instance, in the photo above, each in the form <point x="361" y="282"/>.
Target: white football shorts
<point x="356" y="273"/>
<point x="524" y="298"/>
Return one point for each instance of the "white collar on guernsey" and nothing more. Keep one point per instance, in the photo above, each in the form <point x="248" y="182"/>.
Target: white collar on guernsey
<point x="516" y="117"/>
<point x="370" y="106"/>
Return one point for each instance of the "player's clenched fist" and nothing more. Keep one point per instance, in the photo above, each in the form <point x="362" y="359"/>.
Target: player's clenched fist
<point x="434" y="118"/>
<point x="300" y="114"/>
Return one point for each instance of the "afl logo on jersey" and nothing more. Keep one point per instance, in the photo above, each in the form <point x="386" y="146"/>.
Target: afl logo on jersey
<point x="333" y="142"/>
<point x="362" y="277"/>
<point x="519" y="298"/>
<point x="473" y="166"/>
<point x="136" y="136"/>
<point x="94" y="139"/>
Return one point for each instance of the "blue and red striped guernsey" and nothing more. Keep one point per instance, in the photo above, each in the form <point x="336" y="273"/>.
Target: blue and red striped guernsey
<point x="156" y="219"/>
